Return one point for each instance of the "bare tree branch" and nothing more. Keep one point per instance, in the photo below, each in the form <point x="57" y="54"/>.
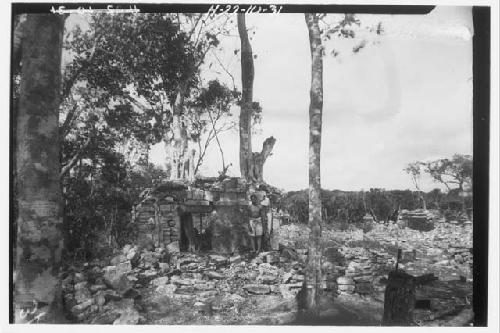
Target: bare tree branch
<point x="218" y="142"/>
<point x="225" y="69"/>
<point x="65" y="169"/>
<point x="70" y="117"/>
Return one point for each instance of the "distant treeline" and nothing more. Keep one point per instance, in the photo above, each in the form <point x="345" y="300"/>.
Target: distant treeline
<point x="351" y="206"/>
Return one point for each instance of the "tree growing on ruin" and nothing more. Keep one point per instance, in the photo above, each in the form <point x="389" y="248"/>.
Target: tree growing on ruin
<point x="251" y="163"/>
<point x="149" y="63"/>
<point x="210" y="116"/>
<point x="39" y="216"/>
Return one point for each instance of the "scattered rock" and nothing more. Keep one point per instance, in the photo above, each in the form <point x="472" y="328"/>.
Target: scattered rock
<point x="105" y="318"/>
<point x="160" y="281"/>
<point x="126" y="249"/>
<point x="215" y="275"/>
<point x="79" y="277"/>
<point x="267" y="279"/>
<point x="128" y="316"/>
<point x="167" y="289"/>
<point x="82" y="293"/>
<point x="218" y="259"/>
<point x="285" y="292"/>
<point x="235" y="259"/>
<point x="148" y="260"/>
<point x="150" y="273"/>
<point x="79" y="308"/>
<point x="115" y="276"/>
<point x="286" y="277"/>
<point x="344" y="280"/>
<point x="132" y="293"/>
<point x="257" y="289"/>
<point x="173" y="247"/>
<point x="118" y="259"/>
<point x="346" y="288"/>
<point x="96" y="287"/>
<point x="164" y="267"/>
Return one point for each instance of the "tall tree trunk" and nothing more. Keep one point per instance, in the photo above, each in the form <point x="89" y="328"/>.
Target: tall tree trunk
<point x="179" y="144"/>
<point x="312" y="283"/>
<point x="247" y="76"/>
<point x="251" y="163"/>
<point x="39" y="223"/>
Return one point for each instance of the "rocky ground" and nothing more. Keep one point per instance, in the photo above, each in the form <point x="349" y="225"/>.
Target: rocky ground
<point x="166" y="287"/>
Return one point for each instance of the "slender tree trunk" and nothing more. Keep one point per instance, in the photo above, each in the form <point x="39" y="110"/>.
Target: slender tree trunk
<point x="39" y="234"/>
<point x="251" y="163"/>
<point x="312" y="282"/>
<point x="178" y="149"/>
<point x="247" y="77"/>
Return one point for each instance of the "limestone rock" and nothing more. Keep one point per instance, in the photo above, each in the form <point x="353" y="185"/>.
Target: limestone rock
<point x="160" y="281"/>
<point x="167" y="289"/>
<point x="115" y="276"/>
<point x="79" y="308"/>
<point x="148" y="260"/>
<point x="96" y="287"/>
<point x="78" y="277"/>
<point x="126" y="249"/>
<point x="173" y="247"/>
<point x="218" y="259"/>
<point x="344" y="280"/>
<point x="257" y="289"/>
<point x="118" y="259"/>
<point x="105" y="318"/>
<point x="347" y="288"/>
<point x="267" y="278"/>
<point x="82" y="293"/>
<point x="128" y="315"/>
<point x="235" y="259"/>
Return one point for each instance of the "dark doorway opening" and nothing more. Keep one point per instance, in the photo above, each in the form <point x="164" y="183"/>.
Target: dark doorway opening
<point x="188" y="239"/>
<point x="424" y="304"/>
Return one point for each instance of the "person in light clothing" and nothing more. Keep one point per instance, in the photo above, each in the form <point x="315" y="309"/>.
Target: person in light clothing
<point x="257" y="215"/>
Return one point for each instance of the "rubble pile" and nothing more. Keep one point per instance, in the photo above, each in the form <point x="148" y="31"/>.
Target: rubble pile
<point x="103" y="291"/>
<point x="134" y="286"/>
<point x="166" y="286"/>
<point x="445" y="251"/>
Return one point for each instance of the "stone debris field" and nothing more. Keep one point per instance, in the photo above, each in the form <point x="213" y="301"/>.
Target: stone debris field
<point x="165" y="286"/>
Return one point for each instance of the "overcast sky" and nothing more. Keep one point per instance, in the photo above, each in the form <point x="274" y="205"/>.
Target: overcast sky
<point x="406" y="97"/>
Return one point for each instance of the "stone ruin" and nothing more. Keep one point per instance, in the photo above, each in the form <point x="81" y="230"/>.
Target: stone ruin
<point x="419" y="219"/>
<point x="213" y="212"/>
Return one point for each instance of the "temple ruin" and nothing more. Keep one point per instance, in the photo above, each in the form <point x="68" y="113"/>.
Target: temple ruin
<point x="211" y="213"/>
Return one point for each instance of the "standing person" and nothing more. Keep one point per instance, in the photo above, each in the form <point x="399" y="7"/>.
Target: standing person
<point x="257" y="215"/>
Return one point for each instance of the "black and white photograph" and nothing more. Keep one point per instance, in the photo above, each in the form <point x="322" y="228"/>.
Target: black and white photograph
<point x="236" y="164"/>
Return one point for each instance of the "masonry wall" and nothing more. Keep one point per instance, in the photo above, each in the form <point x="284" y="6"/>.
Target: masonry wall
<point x="229" y="225"/>
<point x="225" y="209"/>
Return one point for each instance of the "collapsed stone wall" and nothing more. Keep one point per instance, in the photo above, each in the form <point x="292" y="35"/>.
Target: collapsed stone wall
<point x="221" y="207"/>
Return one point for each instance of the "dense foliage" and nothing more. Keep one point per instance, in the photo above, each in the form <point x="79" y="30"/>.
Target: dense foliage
<point x="349" y="207"/>
<point x="121" y="81"/>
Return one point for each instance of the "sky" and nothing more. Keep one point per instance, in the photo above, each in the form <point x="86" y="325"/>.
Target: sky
<point x="406" y="96"/>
